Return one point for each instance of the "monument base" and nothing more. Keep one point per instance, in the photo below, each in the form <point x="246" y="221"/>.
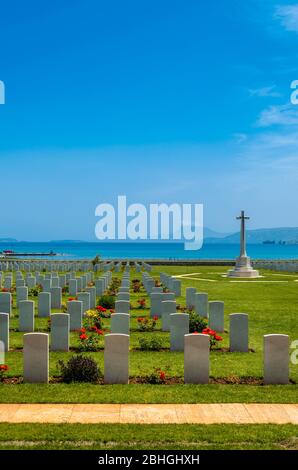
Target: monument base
<point x="243" y="268"/>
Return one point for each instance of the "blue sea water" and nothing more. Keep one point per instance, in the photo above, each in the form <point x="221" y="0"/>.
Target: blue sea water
<point x="170" y="251"/>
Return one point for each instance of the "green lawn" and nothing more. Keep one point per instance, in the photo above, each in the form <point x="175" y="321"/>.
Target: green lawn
<point x="147" y="437"/>
<point x="272" y="308"/>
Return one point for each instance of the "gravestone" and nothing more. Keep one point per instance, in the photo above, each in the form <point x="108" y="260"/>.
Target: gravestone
<point x="8" y="282"/>
<point x="26" y="316"/>
<point x="4" y="330"/>
<point x="75" y="310"/>
<point x="156" y="299"/>
<point x="56" y="297"/>
<point x="55" y="282"/>
<point x="123" y="290"/>
<point x="238" y="332"/>
<point x="85" y="298"/>
<point x="176" y="287"/>
<point x="276" y="359"/>
<point x="216" y="316"/>
<point x="46" y="285"/>
<point x="201" y="304"/>
<point x="99" y="286"/>
<point x="168" y="307"/>
<point x="22" y="294"/>
<point x="73" y="287"/>
<point x="36" y="358"/>
<point x="179" y="327"/>
<point x="116" y="359"/>
<point x="190" y="297"/>
<point x="44" y="304"/>
<point x="196" y="358"/>
<point x="31" y="282"/>
<point x="79" y="284"/>
<point x="168" y="296"/>
<point x="20" y="282"/>
<point x="60" y="332"/>
<point x="92" y="292"/>
<point x="120" y="323"/>
<point x="123" y="296"/>
<point x="122" y="306"/>
<point x="5" y="303"/>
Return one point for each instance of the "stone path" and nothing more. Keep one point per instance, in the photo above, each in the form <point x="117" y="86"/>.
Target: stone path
<point x="215" y="413"/>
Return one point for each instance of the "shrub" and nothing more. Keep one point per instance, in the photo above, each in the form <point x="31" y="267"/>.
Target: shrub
<point x="107" y="301"/>
<point x="79" y="369"/>
<point x="95" y="260"/>
<point x="196" y="323"/>
<point x="34" y="291"/>
<point x="158" y="376"/>
<point x="150" y="344"/>
<point x="147" y="324"/>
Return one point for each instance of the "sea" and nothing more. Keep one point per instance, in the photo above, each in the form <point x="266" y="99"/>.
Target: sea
<point x="150" y="251"/>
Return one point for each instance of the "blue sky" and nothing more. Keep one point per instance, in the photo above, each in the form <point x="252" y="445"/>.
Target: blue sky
<point x="164" y="101"/>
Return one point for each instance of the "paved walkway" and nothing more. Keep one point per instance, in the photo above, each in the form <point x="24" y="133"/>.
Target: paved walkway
<point x="216" y="413"/>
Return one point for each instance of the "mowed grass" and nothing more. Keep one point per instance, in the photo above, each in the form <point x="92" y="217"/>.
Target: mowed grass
<point x="272" y="308"/>
<point x="147" y="437"/>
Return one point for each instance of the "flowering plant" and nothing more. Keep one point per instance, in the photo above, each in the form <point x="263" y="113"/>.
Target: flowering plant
<point x="89" y="339"/>
<point x="214" y="337"/>
<point x="3" y="368"/>
<point x="147" y="324"/>
<point x="102" y="312"/>
<point x="142" y="304"/>
<point x="70" y="299"/>
<point x="158" y="376"/>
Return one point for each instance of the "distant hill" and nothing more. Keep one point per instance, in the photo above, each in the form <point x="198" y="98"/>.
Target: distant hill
<point x="288" y="235"/>
<point x="8" y="240"/>
<point x="67" y="241"/>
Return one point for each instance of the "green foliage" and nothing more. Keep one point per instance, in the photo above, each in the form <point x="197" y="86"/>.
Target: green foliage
<point x="107" y="301"/>
<point x="196" y="323"/>
<point x="79" y="368"/>
<point x="153" y="343"/>
<point x="95" y="260"/>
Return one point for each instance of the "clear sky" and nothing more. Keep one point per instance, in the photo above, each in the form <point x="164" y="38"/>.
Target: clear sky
<point x="159" y="100"/>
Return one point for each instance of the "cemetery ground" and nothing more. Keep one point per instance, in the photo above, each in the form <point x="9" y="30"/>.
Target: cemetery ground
<point x="271" y="303"/>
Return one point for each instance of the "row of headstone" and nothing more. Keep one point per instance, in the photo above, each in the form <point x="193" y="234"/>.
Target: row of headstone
<point x="171" y="283"/>
<point x="59" y="266"/>
<point x="122" y="303"/>
<point x="278" y="265"/>
<point x="116" y="357"/>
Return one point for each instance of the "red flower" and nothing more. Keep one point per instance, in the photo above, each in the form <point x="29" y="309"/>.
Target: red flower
<point x="140" y="319"/>
<point x="162" y="375"/>
<point x="218" y="338"/>
<point x="70" y="299"/>
<point x="112" y="311"/>
<point x="195" y="333"/>
<point x="99" y="332"/>
<point x="83" y="337"/>
<point x="83" y="330"/>
<point x="3" y="367"/>
<point x="155" y="318"/>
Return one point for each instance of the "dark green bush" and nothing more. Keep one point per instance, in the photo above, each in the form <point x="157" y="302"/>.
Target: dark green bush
<point x="79" y="368"/>
<point x="107" y="301"/>
<point x="196" y="323"/>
